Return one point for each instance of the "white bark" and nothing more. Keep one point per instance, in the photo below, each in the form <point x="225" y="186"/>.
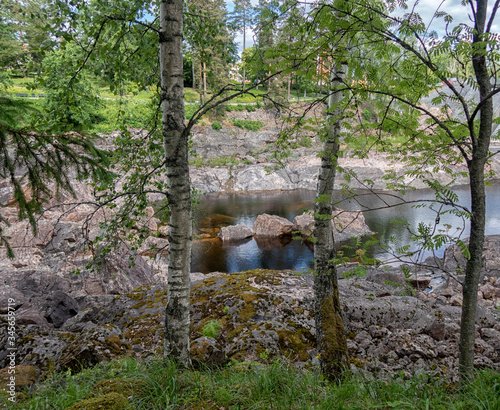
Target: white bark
<point x="175" y="139"/>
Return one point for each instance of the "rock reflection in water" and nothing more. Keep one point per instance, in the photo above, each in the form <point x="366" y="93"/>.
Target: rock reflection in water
<point x="273" y="243"/>
<point x="212" y="255"/>
<point x="216" y="211"/>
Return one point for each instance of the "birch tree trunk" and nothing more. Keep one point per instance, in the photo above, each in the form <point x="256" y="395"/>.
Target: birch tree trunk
<point x="175" y="140"/>
<point x="243" y="52"/>
<point x="332" y="346"/>
<point x="204" y="80"/>
<point x="200" y="89"/>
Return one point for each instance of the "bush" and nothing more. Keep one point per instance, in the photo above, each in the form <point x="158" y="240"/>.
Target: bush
<point x="72" y="105"/>
<point x="305" y="141"/>
<point x="220" y="110"/>
<point x="248" y="124"/>
<point x="211" y="329"/>
<point x="216" y="125"/>
<point x="115" y="114"/>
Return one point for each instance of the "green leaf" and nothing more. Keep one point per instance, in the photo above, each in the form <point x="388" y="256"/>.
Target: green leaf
<point x="464" y="249"/>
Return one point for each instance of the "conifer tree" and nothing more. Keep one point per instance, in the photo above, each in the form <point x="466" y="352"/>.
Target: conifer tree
<point x="242" y="18"/>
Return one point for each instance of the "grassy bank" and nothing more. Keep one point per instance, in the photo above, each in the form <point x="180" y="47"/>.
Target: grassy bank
<point x="161" y="385"/>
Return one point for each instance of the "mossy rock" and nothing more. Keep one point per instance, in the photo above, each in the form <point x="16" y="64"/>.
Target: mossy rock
<point x="98" y="344"/>
<point x="125" y="386"/>
<point x="25" y="376"/>
<point x="259" y="315"/>
<point x="206" y="351"/>
<point x="110" y="401"/>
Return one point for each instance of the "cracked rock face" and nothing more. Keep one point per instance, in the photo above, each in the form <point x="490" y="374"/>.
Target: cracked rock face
<point x="253" y="170"/>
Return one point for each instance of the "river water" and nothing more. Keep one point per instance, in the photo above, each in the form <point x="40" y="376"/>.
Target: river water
<point x="215" y="211"/>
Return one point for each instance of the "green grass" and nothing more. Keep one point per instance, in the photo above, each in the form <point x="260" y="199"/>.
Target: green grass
<point x="222" y="161"/>
<point x="162" y="385"/>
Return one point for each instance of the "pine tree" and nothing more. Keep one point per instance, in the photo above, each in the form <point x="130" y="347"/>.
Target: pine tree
<point x="242" y="19"/>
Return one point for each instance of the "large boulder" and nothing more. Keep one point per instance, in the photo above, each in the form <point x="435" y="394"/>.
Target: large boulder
<point x="234" y="233"/>
<point x="271" y="226"/>
<point x="346" y="224"/>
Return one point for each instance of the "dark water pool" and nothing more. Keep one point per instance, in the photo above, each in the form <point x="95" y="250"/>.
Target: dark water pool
<point x="215" y="211"/>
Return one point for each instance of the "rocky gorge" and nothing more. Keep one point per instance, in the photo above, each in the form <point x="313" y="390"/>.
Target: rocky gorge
<point x="251" y="165"/>
<point x="70" y="316"/>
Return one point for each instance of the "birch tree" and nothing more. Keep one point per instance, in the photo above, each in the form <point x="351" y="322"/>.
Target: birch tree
<point x="153" y="162"/>
<point x="175" y="142"/>
<point x="313" y="37"/>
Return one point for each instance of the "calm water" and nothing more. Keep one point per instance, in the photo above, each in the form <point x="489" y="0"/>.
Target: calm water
<point x="209" y="254"/>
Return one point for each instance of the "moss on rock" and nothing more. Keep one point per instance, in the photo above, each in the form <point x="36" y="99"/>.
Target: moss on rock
<point x="109" y="401"/>
<point x="124" y="386"/>
<point x="25" y="376"/>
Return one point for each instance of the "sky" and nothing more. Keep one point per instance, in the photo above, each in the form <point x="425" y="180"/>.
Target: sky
<point x="426" y="9"/>
<point x="461" y="14"/>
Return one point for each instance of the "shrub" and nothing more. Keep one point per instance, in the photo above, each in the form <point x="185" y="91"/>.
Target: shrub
<point x="305" y="141"/>
<point x="72" y="105"/>
<point x="211" y="329"/>
<point x="216" y="125"/>
<point x="134" y="113"/>
<point x="248" y="124"/>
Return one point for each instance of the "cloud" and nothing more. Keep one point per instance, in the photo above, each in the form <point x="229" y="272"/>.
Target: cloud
<point x="427" y="8"/>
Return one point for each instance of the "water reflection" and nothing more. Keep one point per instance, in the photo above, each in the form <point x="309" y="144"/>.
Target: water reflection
<point x="210" y="254"/>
